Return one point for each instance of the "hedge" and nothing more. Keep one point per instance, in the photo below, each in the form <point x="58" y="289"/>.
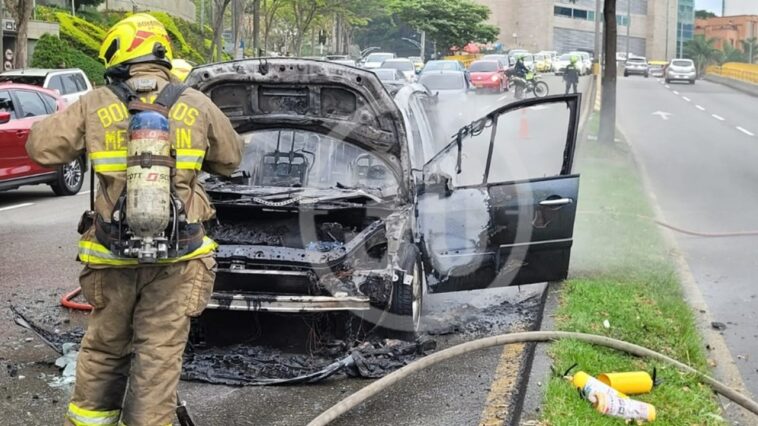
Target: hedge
<point x="80" y="33"/>
<point x="52" y="52"/>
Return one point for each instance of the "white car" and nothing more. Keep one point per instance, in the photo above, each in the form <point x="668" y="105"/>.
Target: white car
<point x="70" y="83"/>
<point x="403" y="65"/>
<point x="375" y="60"/>
<point x="585" y="60"/>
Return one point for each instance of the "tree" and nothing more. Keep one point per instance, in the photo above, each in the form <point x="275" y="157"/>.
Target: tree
<point x="448" y="22"/>
<point x="702" y="51"/>
<point x="81" y="3"/>
<point x="750" y="48"/>
<point x="21" y="10"/>
<point x="607" y="131"/>
<point x="730" y="53"/>
<point x="218" y="28"/>
<point x="704" y="14"/>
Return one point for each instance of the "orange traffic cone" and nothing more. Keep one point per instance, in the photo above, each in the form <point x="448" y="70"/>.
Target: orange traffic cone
<point x="523" y="132"/>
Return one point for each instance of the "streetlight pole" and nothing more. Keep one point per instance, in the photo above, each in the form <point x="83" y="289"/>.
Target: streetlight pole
<point x="628" y="26"/>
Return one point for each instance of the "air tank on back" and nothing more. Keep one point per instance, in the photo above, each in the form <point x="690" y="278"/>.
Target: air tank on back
<point x="148" y="185"/>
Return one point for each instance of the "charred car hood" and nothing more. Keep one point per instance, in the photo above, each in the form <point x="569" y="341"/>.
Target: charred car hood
<point x="346" y="102"/>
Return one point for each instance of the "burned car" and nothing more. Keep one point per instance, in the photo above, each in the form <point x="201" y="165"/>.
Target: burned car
<point x="341" y="202"/>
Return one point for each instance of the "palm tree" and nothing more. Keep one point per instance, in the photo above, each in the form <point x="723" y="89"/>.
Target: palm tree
<point x="730" y="53"/>
<point x="702" y="51"/>
<point x="750" y="47"/>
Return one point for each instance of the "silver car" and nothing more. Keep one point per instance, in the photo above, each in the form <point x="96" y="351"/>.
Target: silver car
<point x="681" y="70"/>
<point x="636" y="65"/>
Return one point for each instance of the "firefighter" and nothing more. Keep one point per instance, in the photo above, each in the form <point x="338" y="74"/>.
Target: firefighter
<point x="180" y="69"/>
<point x="571" y="74"/>
<point x="131" y="355"/>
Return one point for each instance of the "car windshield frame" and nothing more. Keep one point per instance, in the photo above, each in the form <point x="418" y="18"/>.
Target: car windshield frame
<point x="372" y="57"/>
<point x="492" y="66"/>
<point x="392" y="64"/>
<point x="286" y="157"/>
<point x="682" y="63"/>
<point x="32" y="80"/>
<point x="458" y="77"/>
<point x="386" y="72"/>
<point x="443" y="65"/>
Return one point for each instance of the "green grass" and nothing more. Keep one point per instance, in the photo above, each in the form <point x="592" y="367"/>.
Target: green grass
<point x="622" y="272"/>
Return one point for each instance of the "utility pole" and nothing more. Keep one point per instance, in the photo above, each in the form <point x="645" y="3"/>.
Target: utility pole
<point x="423" y="44"/>
<point x="668" y="9"/>
<point x="598" y="41"/>
<point x="73" y="8"/>
<point x="628" y="27"/>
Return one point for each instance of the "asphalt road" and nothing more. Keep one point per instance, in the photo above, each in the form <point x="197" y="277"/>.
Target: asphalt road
<point x="699" y="146"/>
<point x="38" y="250"/>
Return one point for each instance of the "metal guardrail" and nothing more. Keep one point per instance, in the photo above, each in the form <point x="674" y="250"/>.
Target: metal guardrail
<point x="742" y="72"/>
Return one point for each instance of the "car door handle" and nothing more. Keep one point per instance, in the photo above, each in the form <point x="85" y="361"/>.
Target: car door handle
<point x="556" y="202"/>
<point x="21" y="133"/>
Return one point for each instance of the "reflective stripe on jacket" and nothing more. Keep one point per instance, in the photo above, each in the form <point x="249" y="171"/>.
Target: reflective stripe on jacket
<point x="202" y="136"/>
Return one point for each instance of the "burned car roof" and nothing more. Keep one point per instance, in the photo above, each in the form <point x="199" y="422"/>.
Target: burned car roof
<point x="347" y="102"/>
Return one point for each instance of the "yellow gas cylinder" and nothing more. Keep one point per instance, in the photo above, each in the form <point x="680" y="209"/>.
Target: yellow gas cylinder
<point x="630" y="383"/>
<point x="589" y="385"/>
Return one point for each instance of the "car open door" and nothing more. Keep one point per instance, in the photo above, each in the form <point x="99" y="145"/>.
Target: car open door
<point x="498" y="203"/>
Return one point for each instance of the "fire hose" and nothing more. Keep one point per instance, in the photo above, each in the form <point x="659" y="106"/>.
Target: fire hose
<point x="382" y="384"/>
<point x="66" y="299"/>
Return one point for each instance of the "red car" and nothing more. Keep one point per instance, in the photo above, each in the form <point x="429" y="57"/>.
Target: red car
<point x="490" y="75"/>
<point x="21" y="106"/>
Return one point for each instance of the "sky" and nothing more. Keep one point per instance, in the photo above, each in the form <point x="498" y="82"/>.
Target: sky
<point x="712" y="5"/>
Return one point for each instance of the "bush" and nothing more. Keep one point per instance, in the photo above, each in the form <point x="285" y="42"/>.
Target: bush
<point x="81" y="34"/>
<point x="181" y="48"/>
<point x="52" y="52"/>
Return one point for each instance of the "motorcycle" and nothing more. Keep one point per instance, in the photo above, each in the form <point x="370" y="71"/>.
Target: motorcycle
<point x="531" y="83"/>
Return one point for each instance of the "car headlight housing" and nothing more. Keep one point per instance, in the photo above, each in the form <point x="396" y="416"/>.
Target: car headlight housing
<point x="494" y="78"/>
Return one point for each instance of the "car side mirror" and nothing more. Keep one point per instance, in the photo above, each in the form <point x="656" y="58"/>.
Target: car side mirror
<point x="5" y="117"/>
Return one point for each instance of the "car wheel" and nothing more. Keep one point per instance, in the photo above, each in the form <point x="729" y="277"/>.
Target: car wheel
<point x="404" y="317"/>
<point x="692" y="81"/>
<point x="69" y="179"/>
<point x="626" y="74"/>
<point x="647" y="75"/>
<point x="668" y="81"/>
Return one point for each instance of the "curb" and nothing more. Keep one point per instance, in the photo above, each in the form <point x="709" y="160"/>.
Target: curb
<point x="726" y="368"/>
<point x="744" y="87"/>
<point x="537" y="368"/>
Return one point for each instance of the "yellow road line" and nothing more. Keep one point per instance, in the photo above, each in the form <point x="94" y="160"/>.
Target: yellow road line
<point x="504" y="384"/>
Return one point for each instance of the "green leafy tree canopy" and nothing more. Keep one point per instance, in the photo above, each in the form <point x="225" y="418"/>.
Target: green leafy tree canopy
<point x="449" y="22"/>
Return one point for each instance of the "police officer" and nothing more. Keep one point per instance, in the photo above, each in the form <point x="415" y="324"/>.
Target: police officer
<point x="520" y="69"/>
<point x="139" y="326"/>
<point x="571" y="74"/>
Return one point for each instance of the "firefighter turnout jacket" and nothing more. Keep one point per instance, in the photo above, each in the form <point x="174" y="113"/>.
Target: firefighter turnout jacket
<point x="201" y="135"/>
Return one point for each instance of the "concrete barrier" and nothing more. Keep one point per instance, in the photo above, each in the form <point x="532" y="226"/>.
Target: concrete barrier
<point x="749" y="88"/>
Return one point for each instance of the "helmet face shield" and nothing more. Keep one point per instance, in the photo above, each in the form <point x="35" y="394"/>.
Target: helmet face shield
<point x="136" y="39"/>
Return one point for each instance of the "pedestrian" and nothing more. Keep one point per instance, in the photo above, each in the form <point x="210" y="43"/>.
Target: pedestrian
<point x="131" y="355"/>
<point x="571" y="74"/>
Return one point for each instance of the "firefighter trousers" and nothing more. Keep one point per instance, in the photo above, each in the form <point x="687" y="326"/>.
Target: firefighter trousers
<point x="131" y="355"/>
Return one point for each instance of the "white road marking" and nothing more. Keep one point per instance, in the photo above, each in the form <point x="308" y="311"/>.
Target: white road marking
<point x="668" y="87"/>
<point x="502" y="98"/>
<point x="675" y="92"/>
<point x="686" y="98"/>
<point x="717" y="117"/>
<point x="663" y="115"/>
<point x="747" y="132"/>
<point x="83" y="193"/>
<point x="699" y="107"/>
<point x="16" y="206"/>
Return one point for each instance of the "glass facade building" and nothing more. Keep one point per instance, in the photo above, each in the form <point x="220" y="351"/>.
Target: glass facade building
<point x="685" y="28"/>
